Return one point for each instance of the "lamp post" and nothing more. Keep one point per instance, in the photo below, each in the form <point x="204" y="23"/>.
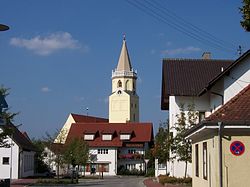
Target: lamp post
<point x="4" y="27"/>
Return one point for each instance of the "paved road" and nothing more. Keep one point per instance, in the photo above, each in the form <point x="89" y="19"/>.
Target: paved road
<point x="123" y="181"/>
<point x="116" y="182"/>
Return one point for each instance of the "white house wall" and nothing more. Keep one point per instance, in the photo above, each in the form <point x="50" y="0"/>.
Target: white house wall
<point x="5" y="169"/>
<point x="200" y="103"/>
<point x="238" y="78"/>
<point x="230" y="85"/>
<point x="110" y="158"/>
<point x="176" y="168"/>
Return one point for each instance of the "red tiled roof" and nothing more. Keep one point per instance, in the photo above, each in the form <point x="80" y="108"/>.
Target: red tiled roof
<point x="235" y="112"/>
<point x="19" y="138"/>
<point x="87" y="119"/>
<point x="236" y="109"/>
<point x="187" y="77"/>
<point x="143" y="132"/>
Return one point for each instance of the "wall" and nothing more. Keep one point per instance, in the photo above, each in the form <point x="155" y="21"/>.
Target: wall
<point x="26" y="163"/>
<point x="212" y="160"/>
<point x="111" y="157"/>
<point x="62" y="136"/>
<point x="139" y="163"/>
<point x="176" y="168"/>
<point x="236" y="168"/>
<point x="5" y="169"/>
<point x="238" y="78"/>
<point x="119" y="107"/>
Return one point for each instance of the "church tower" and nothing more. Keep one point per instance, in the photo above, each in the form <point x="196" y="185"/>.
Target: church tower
<point x="124" y="101"/>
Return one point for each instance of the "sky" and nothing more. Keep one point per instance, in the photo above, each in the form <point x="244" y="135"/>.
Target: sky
<point x="58" y="55"/>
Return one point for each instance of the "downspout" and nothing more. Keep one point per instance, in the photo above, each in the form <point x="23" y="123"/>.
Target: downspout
<point x="220" y="124"/>
<point x="222" y="97"/>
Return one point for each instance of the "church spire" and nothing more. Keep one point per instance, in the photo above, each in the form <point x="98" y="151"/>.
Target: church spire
<point x="124" y="61"/>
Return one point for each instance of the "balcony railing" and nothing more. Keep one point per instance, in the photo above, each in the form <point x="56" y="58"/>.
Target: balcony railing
<point x="135" y="156"/>
<point x="132" y="73"/>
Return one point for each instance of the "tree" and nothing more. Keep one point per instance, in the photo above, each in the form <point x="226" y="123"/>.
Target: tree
<point x="57" y="149"/>
<point x="76" y="153"/>
<point x="162" y="147"/>
<point x="182" y="148"/>
<point x="8" y="118"/>
<point x="40" y="165"/>
<point x="245" y="11"/>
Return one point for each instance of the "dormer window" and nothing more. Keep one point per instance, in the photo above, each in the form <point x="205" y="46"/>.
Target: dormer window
<point x="125" y="136"/>
<point x="107" y="134"/>
<point x="107" y="137"/>
<point x="89" y="135"/>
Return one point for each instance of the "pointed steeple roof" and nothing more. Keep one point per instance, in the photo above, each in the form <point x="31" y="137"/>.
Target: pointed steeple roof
<point x="124" y="61"/>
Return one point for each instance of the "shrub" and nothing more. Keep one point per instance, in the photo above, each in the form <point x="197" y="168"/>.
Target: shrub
<point x="150" y="172"/>
<point x="173" y="180"/>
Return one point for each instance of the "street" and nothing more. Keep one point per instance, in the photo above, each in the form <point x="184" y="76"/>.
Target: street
<point x="117" y="181"/>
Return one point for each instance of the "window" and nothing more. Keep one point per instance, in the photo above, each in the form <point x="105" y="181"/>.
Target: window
<point x="162" y="166"/>
<point x="125" y="136"/>
<point x="197" y="160"/>
<point x="205" y="160"/>
<point x="119" y="84"/>
<point x="6" y="160"/>
<point x="89" y="136"/>
<point x="103" y="168"/>
<point x="107" y="137"/>
<point x="130" y="166"/>
<point x="102" y="151"/>
<point x="131" y="151"/>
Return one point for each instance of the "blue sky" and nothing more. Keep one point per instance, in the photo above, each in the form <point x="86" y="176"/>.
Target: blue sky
<point x="58" y="55"/>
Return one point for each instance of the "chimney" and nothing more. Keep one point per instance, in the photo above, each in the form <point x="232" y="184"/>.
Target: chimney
<point x="206" y="55"/>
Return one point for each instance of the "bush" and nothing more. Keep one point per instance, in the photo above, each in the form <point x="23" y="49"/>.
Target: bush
<point x="124" y="171"/>
<point x="173" y="180"/>
<point x="150" y="172"/>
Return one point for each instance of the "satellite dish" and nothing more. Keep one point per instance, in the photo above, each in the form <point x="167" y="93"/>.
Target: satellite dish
<point x="4" y="27"/>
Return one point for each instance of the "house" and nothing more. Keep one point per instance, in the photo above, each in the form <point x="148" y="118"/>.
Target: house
<point x="119" y="142"/>
<point x="114" y="146"/>
<point x="16" y="161"/>
<point x="220" y="142"/>
<point x="220" y="145"/>
<point x="182" y="82"/>
<point x="75" y="118"/>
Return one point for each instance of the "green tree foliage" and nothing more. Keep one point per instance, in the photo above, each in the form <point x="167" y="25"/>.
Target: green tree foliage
<point x="182" y="148"/>
<point x="76" y="153"/>
<point x="40" y="165"/>
<point x="245" y="11"/>
<point x="163" y="143"/>
<point x="8" y="118"/>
